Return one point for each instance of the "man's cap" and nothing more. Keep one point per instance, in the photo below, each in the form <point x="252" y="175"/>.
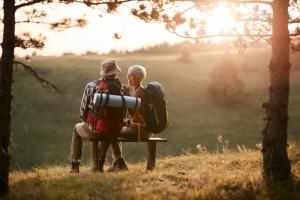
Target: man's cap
<point x="109" y="67"/>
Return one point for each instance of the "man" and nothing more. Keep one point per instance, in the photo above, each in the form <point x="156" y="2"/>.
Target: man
<point x="106" y="123"/>
<point x="136" y="128"/>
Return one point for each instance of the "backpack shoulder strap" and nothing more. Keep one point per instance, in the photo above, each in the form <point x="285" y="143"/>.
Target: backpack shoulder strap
<point x="138" y="87"/>
<point x="138" y="112"/>
<point x="97" y="81"/>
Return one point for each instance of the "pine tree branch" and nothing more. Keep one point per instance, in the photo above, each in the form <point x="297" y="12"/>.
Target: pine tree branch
<point x="294" y="21"/>
<point x="255" y="20"/>
<point x="233" y="1"/>
<point x="47" y="85"/>
<point x="227" y="35"/>
<point x="28" y="4"/>
<point x="73" y="1"/>
<point x="102" y="2"/>
<point x="34" y="22"/>
<point x="189" y="8"/>
<point x="294" y="34"/>
<point x="219" y="35"/>
<point x="124" y="1"/>
<point x="64" y="24"/>
<point x="26" y="41"/>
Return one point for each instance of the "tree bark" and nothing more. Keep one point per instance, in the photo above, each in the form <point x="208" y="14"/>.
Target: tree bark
<point x="6" y="75"/>
<point x="276" y="164"/>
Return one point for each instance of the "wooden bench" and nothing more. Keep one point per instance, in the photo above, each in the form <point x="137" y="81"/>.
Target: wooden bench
<point x="151" y="155"/>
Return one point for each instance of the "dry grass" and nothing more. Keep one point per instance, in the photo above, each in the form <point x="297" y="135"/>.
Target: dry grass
<point x="230" y="175"/>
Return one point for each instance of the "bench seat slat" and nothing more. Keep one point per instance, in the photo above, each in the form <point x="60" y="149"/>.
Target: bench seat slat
<point x="143" y="140"/>
<point x="120" y="139"/>
<point x="157" y="139"/>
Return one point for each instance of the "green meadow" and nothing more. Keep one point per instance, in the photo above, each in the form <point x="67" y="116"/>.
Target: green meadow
<point x="43" y="122"/>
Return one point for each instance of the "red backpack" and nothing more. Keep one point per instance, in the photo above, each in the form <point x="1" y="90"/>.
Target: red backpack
<point x="105" y="120"/>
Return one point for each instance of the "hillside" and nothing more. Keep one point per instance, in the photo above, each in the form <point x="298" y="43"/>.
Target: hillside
<point x="43" y="122"/>
<point x="233" y="175"/>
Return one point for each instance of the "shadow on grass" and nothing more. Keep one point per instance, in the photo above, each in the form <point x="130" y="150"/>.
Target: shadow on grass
<point x="108" y="186"/>
<point x="68" y="187"/>
<point x="285" y="190"/>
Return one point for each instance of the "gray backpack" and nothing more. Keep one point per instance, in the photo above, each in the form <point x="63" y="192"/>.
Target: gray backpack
<point x="157" y="110"/>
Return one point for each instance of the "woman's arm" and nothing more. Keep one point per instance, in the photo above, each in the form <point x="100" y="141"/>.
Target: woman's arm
<point x="138" y="93"/>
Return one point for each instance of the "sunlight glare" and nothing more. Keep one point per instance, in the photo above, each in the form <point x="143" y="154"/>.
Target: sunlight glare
<point x="220" y="21"/>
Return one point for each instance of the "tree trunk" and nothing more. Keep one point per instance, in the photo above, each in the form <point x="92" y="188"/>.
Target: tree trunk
<point x="6" y="74"/>
<point x="276" y="164"/>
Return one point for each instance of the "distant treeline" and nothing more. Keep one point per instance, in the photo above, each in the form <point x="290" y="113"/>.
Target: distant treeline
<point x="177" y="48"/>
<point x="166" y="48"/>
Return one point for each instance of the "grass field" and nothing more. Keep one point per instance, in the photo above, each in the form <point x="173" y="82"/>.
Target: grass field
<point x="43" y="122"/>
<point x="233" y="175"/>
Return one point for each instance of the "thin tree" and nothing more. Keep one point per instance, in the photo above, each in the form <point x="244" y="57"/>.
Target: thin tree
<point x="10" y="42"/>
<point x="270" y="22"/>
<point x="276" y="162"/>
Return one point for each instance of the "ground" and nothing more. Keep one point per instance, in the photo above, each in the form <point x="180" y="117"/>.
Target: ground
<point x="234" y="174"/>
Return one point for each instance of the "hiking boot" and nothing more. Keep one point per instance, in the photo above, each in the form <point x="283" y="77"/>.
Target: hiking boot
<point x="112" y="167"/>
<point x="75" y="167"/>
<point x="118" y="165"/>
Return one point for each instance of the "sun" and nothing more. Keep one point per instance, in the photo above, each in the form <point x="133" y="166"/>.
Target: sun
<point x="220" y="21"/>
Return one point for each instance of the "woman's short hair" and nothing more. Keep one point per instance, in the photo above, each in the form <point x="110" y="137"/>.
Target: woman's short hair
<point x="138" y="71"/>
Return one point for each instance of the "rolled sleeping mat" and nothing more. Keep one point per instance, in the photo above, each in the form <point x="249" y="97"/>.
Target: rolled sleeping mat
<point x="116" y="101"/>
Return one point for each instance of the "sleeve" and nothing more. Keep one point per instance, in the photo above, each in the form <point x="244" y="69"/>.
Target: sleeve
<point x="85" y="101"/>
<point x="139" y="93"/>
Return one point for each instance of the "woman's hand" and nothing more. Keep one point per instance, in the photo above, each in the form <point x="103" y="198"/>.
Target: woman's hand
<point x="125" y="90"/>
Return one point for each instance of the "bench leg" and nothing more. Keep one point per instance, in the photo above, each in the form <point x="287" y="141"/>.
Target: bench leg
<point x="151" y="155"/>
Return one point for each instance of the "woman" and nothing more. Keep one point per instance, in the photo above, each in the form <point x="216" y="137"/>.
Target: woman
<point x="136" y="127"/>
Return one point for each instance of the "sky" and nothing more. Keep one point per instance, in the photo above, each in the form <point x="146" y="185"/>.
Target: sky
<point x="97" y="35"/>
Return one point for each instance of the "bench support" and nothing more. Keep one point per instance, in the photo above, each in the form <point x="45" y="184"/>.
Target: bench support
<point x="151" y="155"/>
<point x="151" y="148"/>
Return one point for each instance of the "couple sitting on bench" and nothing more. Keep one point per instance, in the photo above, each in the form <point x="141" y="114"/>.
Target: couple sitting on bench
<point x="90" y="128"/>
